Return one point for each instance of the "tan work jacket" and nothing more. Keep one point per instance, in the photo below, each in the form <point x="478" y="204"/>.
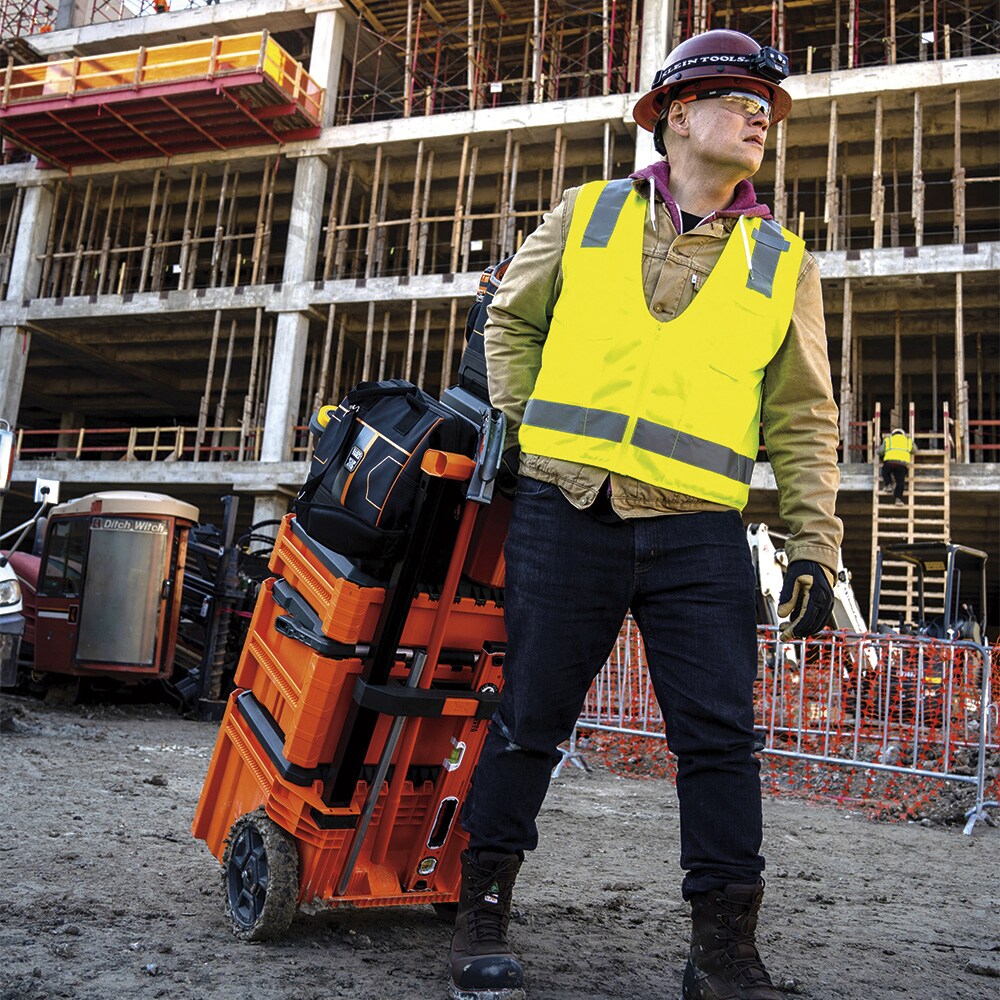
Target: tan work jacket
<point x="799" y="414"/>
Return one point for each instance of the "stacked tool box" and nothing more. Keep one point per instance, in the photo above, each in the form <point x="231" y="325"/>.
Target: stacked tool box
<point x="360" y="709"/>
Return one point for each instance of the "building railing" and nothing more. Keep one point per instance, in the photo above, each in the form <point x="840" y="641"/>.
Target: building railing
<point x="151" y="444"/>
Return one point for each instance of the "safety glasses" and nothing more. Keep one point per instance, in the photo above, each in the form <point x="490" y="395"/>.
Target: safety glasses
<point x="740" y="102"/>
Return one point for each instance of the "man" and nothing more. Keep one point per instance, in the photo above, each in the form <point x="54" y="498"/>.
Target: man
<point x="896" y="452"/>
<point x="635" y="341"/>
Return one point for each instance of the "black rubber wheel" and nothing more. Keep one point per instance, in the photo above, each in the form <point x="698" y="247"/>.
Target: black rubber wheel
<point x="260" y="871"/>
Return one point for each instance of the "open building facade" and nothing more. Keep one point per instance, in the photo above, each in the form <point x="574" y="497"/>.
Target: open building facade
<point x="216" y="217"/>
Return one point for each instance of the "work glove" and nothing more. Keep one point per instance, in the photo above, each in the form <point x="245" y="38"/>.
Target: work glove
<point x="806" y="599"/>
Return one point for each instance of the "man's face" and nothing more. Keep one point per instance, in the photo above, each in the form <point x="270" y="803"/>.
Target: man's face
<point x="727" y="131"/>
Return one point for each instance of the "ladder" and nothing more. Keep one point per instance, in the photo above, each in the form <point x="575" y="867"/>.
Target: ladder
<point x="924" y="517"/>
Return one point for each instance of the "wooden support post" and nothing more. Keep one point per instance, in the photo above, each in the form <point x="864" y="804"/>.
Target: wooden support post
<point x="500" y="211"/>
<point x="877" y="213"/>
<point x="248" y="400"/>
<point x="897" y="373"/>
<point x="410" y="340"/>
<point x="449" y="346"/>
<point x="213" y="273"/>
<point x="831" y="207"/>
<point x="80" y="235"/>
<point x="182" y="278"/>
<point x="424" y="345"/>
<point x="961" y="385"/>
<point x="511" y="204"/>
<point x="58" y="277"/>
<point x="384" y="346"/>
<point x="373" y="212"/>
<point x="605" y="49"/>
<point x="258" y="236"/>
<point x="205" y="396"/>
<point x="892" y="32"/>
<point x="894" y="216"/>
<point x="412" y="240"/>
<point x="780" y="196"/>
<point x="162" y="233"/>
<point x="424" y="210"/>
<point x="408" y="64"/>
<point x="103" y="261"/>
<point x="846" y="354"/>
<point x="12" y="223"/>
<point x="340" y="255"/>
<point x="467" y="220"/>
<point x="470" y="67"/>
<point x="536" y="57"/>
<point x="369" y="333"/>
<point x="917" y="210"/>
<point x="331" y="218"/>
<point x="958" y="173"/>
<point x="220" y="407"/>
<point x="265" y="250"/>
<point x="456" y="229"/>
<point x="325" y="358"/>
<point x="338" y="365"/>
<point x="230" y="234"/>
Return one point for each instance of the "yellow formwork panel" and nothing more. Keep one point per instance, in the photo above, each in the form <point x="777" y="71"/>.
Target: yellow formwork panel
<point x="204" y="59"/>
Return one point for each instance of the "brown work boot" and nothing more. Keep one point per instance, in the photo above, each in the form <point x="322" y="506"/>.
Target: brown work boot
<point x="482" y="965"/>
<point x="723" y="963"/>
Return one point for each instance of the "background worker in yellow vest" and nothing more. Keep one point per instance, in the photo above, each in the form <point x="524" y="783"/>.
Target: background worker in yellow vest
<point x="896" y="452"/>
<point x="638" y="338"/>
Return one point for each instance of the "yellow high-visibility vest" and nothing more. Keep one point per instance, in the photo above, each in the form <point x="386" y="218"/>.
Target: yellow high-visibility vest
<point x="897" y="447"/>
<point x="677" y="403"/>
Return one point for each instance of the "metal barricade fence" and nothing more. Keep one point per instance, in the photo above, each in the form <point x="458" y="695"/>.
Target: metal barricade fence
<point x="902" y="713"/>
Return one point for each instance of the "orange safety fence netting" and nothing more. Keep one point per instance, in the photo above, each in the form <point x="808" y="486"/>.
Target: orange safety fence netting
<point x="893" y="726"/>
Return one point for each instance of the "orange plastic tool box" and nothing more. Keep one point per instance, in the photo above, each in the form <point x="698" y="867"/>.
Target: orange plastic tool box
<point x="360" y="709"/>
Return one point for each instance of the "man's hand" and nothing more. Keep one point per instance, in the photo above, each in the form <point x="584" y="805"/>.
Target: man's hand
<point x="806" y="598"/>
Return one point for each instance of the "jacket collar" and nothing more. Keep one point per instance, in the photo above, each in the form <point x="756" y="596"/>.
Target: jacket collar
<point x="744" y="200"/>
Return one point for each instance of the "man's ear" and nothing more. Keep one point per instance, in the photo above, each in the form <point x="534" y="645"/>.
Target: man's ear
<point x="677" y="118"/>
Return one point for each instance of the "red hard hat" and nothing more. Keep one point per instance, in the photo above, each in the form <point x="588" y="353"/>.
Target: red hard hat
<point x="716" y="59"/>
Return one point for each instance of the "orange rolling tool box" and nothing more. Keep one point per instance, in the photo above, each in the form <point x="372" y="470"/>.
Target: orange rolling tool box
<point x="360" y="709"/>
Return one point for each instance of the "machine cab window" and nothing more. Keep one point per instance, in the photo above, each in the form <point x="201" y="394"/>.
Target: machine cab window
<point x="63" y="573"/>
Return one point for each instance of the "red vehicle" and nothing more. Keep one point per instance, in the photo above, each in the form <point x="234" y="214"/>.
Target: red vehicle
<point x="103" y="597"/>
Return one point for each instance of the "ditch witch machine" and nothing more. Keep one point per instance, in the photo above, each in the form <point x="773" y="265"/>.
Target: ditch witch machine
<point x="372" y="663"/>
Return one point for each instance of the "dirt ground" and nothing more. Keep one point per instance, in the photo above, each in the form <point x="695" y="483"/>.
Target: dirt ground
<point x="107" y="895"/>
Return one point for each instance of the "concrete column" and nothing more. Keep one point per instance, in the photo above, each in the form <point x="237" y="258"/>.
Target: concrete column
<point x="25" y="273"/>
<point x="304" y="228"/>
<point x="657" y="25"/>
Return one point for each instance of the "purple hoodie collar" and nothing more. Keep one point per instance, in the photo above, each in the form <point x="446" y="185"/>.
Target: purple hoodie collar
<point x="744" y="201"/>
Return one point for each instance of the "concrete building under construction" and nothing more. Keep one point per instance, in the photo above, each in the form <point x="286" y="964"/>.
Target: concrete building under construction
<point x="216" y="216"/>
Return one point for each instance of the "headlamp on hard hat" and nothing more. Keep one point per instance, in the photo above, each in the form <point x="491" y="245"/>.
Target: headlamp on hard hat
<point x="770" y="64"/>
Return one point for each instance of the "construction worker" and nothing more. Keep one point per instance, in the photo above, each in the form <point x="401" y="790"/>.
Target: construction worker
<point x="896" y="452"/>
<point x="636" y="341"/>
<point x="161" y="6"/>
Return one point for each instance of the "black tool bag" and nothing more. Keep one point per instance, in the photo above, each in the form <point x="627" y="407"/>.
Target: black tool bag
<point x="365" y="471"/>
<point x="472" y="368"/>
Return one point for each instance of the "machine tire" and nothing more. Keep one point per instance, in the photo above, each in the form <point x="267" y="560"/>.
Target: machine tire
<point x="260" y="876"/>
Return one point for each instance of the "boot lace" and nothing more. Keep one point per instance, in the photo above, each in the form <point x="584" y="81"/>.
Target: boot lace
<point x="488" y="923"/>
<point x="737" y="952"/>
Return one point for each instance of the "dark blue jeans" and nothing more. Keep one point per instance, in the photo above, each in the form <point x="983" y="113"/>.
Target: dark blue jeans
<point x="689" y="582"/>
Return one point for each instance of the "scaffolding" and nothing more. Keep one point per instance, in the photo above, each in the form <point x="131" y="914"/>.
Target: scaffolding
<point x="218" y="92"/>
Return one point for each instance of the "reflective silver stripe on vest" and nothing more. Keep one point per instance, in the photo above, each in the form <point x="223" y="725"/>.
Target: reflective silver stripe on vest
<point x="692" y="450"/>
<point x="605" y="215"/>
<point x="770" y="244"/>
<point x="604" y="424"/>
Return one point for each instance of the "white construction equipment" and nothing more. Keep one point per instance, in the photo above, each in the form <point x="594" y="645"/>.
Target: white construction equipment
<point x="770" y="563"/>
